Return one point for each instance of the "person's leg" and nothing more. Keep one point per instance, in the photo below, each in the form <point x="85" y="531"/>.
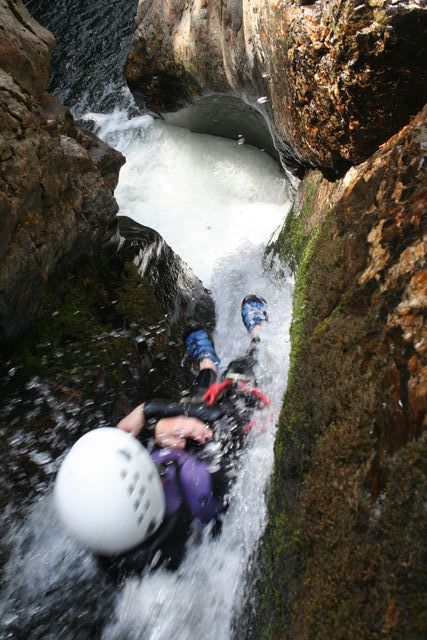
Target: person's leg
<point x="202" y="382"/>
<point x="200" y="348"/>
<point x="254" y="317"/>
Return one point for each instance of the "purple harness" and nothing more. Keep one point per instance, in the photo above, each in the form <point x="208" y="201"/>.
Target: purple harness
<point x="187" y="479"/>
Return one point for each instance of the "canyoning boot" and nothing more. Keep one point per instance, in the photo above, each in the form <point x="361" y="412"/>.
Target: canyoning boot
<point x="254" y="312"/>
<point x="199" y="345"/>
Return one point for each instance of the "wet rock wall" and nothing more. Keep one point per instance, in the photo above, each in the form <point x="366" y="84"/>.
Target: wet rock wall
<point x="107" y="337"/>
<point x="343" y="555"/>
<point x="338" y="78"/>
<point x="56" y="179"/>
<point x="92" y="307"/>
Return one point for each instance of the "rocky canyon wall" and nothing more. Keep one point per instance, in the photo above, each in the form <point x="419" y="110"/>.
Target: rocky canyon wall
<point x="344" y="84"/>
<point x="56" y="180"/>
<point x="92" y="306"/>
<point x="338" y="77"/>
<point x="344" y="555"/>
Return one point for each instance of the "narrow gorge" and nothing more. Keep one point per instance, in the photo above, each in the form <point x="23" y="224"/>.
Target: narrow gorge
<point x="159" y="162"/>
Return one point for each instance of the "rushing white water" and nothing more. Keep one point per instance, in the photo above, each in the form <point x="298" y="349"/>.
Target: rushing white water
<point x="198" y="602"/>
<point x="205" y="195"/>
<point x="216" y="203"/>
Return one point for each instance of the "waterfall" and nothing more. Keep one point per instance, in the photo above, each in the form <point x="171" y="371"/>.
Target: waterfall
<point x="216" y="202"/>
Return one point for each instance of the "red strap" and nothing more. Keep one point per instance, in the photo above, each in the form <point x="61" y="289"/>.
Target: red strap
<point x="254" y="391"/>
<point x="249" y="426"/>
<point x="217" y="388"/>
<point x="260" y="395"/>
<point x="215" y="391"/>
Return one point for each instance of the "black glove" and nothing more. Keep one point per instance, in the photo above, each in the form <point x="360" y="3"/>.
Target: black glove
<point x="157" y="409"/>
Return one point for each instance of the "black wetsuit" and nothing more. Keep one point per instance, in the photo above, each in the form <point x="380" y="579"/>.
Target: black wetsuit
<point x="168" y="544"/>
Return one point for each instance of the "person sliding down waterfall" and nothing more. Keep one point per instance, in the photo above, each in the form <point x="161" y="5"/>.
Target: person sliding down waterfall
<point x="135" y="509"/>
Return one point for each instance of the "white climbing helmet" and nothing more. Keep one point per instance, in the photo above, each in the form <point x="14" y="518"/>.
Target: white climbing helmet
<point x="108" y="492"/>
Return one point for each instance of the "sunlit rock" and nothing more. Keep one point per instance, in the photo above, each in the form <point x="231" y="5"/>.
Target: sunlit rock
<point x="333" y="79"/>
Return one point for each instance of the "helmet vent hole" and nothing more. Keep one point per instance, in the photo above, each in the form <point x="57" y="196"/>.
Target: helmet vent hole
<point x="141" y="518"/>
<point x="136" y="505"/>
<point x="131" y="489"/>
<point x="151" y="476"/>
<point x="125" y="454"/>
<point x="123" y="473"/>
<point x="147" y="505"/>
<point x="151" y="526"/>
<point x="141" y="491"/>
<point x="136" y="476"/>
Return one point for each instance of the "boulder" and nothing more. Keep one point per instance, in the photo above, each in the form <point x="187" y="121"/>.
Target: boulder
<point x="334" y="79"/>
<point x="56" y="179"/>
<point x="25" y="47"/>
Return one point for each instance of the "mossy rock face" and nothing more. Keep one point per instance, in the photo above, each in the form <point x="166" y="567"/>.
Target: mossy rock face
<point x="343" y="554"/>
<point x="105" y="340"/>
<point x="294" y="236"/>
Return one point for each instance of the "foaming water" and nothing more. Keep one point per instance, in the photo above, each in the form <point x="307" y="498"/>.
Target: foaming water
<point x="216" y="203"/>
<point x="199" y="601"/>
<point x="52" y="587"/>
<point x="204" y="194"/>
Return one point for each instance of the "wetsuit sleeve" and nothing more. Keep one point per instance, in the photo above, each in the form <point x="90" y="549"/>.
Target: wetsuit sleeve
<point x="158" y="409"/>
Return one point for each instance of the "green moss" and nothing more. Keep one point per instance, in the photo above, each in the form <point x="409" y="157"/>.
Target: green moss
<point x="342" y="555"/>
<point x="135" y="298"/>
<point x="293" y="239"/>
<point x="285" y="542"/>
<point x="301" y="301"/>
<point x="84" y="322"/>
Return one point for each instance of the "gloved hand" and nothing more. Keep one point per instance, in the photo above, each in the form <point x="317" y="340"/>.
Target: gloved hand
<point x="158" y="409"/>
